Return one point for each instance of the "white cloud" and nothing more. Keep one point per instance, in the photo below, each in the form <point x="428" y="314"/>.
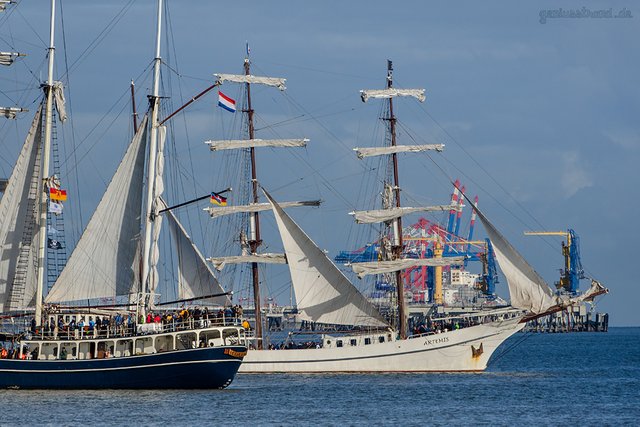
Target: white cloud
<point x="625" y="138"/>
<point x="574" y="174"/>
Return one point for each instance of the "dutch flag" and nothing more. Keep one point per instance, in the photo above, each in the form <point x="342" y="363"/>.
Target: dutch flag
<point x="227" y="103"/>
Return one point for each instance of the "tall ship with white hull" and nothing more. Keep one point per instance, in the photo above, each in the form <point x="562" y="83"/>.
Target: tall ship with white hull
<point x="67" y="347"/>
<point x="358" y="337"/>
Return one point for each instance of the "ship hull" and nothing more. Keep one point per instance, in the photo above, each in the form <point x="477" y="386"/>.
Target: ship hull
<point x="462" y="350"/>
<point x="200" y="368"/>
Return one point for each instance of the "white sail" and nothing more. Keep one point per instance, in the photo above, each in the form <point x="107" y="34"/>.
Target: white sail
<point x="392" y="93"/>
<point x="323" y="293"/>
<point x="248" y="143"/>
<point x="381" y="151"/>
<point x="100" y="265"/>
<point x="379" y="267"/>
<point x="268" y="258"/>
<point x="382" y="215"/>
<point x="527" y="289"/>
<point x="158" y="203"/>
<point x="195" y="279"/>
<point x="58" y="96"/>
<point x="255" y="207"/>
<point x="19" y="211"/>
<point x="7" y="58"/>
<point x="594" y="290"/>
<point x="242" y="78"/>
<point x="11" y="112"/>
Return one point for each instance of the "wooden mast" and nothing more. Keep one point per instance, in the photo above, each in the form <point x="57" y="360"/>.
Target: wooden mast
<point x="397" y="222"/>
<point x="255" y="240"/>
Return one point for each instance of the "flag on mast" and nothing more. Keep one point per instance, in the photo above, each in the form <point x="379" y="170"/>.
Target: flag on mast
<point x="227" y="103"/>
<point x="57" y="194"/>
<point x="54" y="244"/>
<point x="55" y="207"/>
<point x="217" y="199"/>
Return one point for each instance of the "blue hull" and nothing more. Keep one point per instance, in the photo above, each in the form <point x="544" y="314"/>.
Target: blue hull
<point x="204" y="368"/>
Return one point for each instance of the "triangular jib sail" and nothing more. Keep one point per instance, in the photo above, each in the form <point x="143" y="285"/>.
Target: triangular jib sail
<point x="19" y="210"/>
<point x="101" y="264"/>
<point x="195" y="278"/>
<point x="323" y="294"/>
<point x="528" y="291"/>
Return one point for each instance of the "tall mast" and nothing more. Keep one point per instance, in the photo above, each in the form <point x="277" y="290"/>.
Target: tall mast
<point x="254" y="240"/>
<point x="391" y="213"/>
<point x="134" y="113"/>
<point x="253" y="207"/>
<point x="44" y="171"/>
<point x="151" y="165"/>
<point x="397" y="222"/>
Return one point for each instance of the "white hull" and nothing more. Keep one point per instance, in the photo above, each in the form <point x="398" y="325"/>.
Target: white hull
<point x="445" y="352"/>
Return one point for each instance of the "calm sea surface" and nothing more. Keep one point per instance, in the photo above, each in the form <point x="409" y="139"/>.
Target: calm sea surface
<point x="563" y="379"/>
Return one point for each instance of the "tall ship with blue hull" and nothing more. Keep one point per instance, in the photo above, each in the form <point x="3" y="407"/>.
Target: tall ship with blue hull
<point x="186" y="368"/>
<point x="115" y="260"/>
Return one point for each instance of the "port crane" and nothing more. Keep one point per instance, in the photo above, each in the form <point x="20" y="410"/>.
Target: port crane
<point x="572" y="272"/>
<point x="425" y="239"/>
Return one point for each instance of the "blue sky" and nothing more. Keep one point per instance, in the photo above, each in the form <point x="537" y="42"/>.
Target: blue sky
<point x="539" y="119"/>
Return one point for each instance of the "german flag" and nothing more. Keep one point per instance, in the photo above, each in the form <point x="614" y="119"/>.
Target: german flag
<point x="217" y="199"/>
<point x="59" y="195"/>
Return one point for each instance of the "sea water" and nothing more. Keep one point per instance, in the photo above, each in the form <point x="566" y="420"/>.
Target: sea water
<point x="537" y="379"/>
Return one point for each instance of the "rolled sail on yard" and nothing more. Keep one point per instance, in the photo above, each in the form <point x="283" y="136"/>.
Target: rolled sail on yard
<point x="382" y="215"/>
<point x="268" y="258"/>
<point x="383" y="151"/>
<point x="255" y="207"/>
<point x="380" y="267"/>
<point x="234" y="144"/>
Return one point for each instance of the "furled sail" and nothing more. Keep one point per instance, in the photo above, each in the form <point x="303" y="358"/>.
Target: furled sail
<point x="4" y="4"/>
<point x="527" y="289"/>
<point x="158" y="189"/>
<point x="323" y="293"/>
<point x="381" y="151"/>
<point x="379" y="267"/>
<point x="19" y="210"/>
<point x="268" y="258"/>
<point x="100" y="265"/>
<point x="243" y="78"/>
<point x="11" y="112"/>
<point x="256" y="207"/>
<point x="194" y="276"/>
<point x="7" y="58"/>
<point x="594" y="290"/>
<point x="58" y="95"/>
<point x="382" y="215"/>
<point x="392" y="93"/>
<point x="248" y="143"/>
